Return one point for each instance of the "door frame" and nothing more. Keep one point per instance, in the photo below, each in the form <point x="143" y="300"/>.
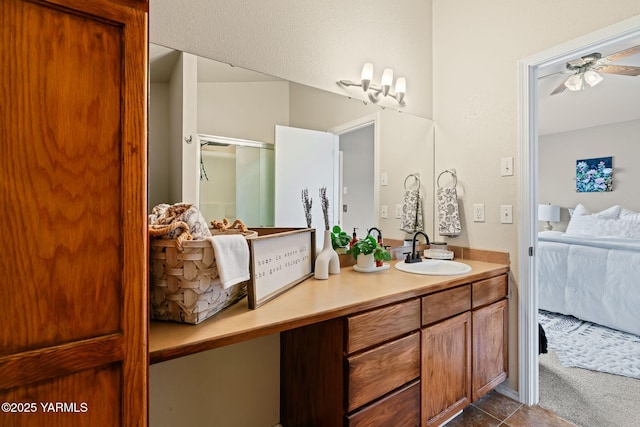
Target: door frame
<point x="370" y="119"/>
<point x="528" y="387"/>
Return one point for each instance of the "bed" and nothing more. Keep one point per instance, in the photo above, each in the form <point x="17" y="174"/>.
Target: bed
<point x="592" y="271"/>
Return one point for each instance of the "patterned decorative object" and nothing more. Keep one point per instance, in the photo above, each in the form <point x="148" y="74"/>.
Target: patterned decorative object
<point x="447" y="201"/>
<point x="411" y="212"/>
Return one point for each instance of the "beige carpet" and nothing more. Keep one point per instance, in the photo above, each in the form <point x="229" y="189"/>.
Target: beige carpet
<point x="588" y="398"/>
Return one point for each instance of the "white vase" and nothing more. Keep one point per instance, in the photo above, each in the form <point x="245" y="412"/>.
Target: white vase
<point x="365" y="262"/>
<point x="327" y="261"/>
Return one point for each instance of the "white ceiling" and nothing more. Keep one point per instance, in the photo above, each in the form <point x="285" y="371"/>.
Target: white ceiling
<point x="615" y="99"/>
<point x="163" y="59"/>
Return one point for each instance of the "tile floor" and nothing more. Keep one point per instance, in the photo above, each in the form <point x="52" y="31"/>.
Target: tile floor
<point x="496" y="409"/>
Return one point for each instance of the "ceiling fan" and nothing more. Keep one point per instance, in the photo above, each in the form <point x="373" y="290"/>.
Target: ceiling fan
<point x="587" y="68"/>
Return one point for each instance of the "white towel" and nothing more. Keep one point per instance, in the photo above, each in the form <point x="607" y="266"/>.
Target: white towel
<point x="232" y="258"/>
<point x="448" y="216"/>
<point x="411" y="212"/>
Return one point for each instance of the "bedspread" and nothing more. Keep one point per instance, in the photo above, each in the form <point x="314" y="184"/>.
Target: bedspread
<point x="592" y="278"/>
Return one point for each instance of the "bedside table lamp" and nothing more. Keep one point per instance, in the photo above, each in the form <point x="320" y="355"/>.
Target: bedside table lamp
<point x="548" y="213"/>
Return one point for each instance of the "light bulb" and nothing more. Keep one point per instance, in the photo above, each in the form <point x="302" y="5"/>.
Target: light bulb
<point x="574" y="82"/>
<point x="592" y="78"/>
<point x="401" y="88"/>
<point x="387" y="79"/>
<point x="366" y="76"/>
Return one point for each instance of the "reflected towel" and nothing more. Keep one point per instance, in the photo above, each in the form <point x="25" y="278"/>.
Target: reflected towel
<point x="448" y="216"/>
<point x="411" y="212"/>
<point x="232" y="258"/>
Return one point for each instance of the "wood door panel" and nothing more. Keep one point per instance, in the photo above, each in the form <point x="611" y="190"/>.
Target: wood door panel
<point x="86" y="398"/>
<point x="446" y="368"/>
<point x="490" y="347"/>
<point x="73" y="94"/>
<point x="66" y="210"/>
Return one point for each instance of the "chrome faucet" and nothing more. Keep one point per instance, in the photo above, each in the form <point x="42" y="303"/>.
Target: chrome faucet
<point x="415" y="256"/>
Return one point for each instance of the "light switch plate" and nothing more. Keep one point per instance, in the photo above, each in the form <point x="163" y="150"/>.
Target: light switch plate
<point x="384" y="178"/>
<point x="506" y="166"/>
<point x="506" y="214"/>
<point x="398" y="211"/>
<point x="384" y="211"/>
<point x="478" y="212"/>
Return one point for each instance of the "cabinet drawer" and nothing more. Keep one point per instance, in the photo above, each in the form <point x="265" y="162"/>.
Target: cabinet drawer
<point x="442" y="305"/>
<point x="378" y="371"/>
<point x="380" y="325"/>
<point x="490" y="290"/>
<point x="400" y="408"/>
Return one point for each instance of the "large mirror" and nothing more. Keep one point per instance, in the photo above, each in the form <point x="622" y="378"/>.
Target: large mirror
<point x="191" y="97"/>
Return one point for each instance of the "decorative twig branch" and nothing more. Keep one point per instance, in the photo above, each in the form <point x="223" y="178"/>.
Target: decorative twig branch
<point x="325" y="206"/>
<point x="306" y="204"/>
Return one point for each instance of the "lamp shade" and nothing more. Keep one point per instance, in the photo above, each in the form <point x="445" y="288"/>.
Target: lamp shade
<point x="592" y="78"/>
<point x="387" y="79"/>
<point x="366" y="75"/>
<point x="549" y="213"/>
<point x="574" y="82"/>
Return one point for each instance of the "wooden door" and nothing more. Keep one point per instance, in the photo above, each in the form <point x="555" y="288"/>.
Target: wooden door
<point x="73" y="264"/>
<point x="446" y="369"/>
<point x="490" y="347"/>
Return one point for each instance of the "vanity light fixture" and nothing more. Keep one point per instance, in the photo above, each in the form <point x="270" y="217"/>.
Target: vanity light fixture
<point x="373" y="91"/>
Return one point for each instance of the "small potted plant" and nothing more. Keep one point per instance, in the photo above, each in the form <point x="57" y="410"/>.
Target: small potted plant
<point x="339" y="240"/>
<point x="367" y="251"/>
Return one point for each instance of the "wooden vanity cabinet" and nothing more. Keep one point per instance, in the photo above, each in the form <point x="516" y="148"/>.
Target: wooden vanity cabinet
<point x="490" y="329"/>
<point x="413" y="363"/>
<point x="360" y="370"/>
<point x="446" y="354"/>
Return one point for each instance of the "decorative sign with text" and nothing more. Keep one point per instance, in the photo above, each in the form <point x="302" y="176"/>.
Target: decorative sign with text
<point x="279" y="260"/>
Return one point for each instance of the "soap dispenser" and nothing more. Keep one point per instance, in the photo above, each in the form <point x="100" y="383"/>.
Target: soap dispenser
<point x="354" y="238"/>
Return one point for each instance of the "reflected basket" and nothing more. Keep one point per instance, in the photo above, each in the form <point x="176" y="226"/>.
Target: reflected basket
<point x="184" y="286"/>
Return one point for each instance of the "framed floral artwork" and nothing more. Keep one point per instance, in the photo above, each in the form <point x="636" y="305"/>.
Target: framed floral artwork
<point x="594" y="175"/>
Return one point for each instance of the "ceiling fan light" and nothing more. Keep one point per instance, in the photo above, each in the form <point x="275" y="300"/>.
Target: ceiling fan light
<point x="574" y="82"/>
<point x="592" y="78"/>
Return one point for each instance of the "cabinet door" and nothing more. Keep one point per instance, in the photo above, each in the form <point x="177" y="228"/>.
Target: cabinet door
<point x="490" y="348"/>
<point x="73" y="343"/>
<point x="446" y="366"/>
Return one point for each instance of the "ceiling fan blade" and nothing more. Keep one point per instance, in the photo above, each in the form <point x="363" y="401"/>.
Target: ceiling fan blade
<point x="561" y="88"/>
<point x="624" y="53"/>
<point x="625" y="70"/>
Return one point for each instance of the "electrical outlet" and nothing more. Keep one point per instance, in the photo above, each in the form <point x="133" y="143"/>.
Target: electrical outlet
<point x="506" y="214"/>
<point x="398" y="211"/>
<point x="506" y="166"/>
<point x="478" y="212"/>
<point x="384" y="211"/>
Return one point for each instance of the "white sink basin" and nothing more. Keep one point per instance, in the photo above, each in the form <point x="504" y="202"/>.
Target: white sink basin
<point x="434" y="267"/>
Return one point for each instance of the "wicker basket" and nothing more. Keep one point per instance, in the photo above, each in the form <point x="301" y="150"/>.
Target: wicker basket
<point x="183" y="285"/>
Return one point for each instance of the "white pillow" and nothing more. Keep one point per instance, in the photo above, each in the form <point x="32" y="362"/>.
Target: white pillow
<point x="612" y="222"/>
<point x="630" y="215"/>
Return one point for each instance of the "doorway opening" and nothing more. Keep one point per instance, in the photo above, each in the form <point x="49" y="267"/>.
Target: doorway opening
<point x="529" y="70"/>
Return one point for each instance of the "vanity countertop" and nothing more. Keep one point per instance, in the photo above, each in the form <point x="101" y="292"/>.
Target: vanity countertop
<point x="309" y="302"/>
